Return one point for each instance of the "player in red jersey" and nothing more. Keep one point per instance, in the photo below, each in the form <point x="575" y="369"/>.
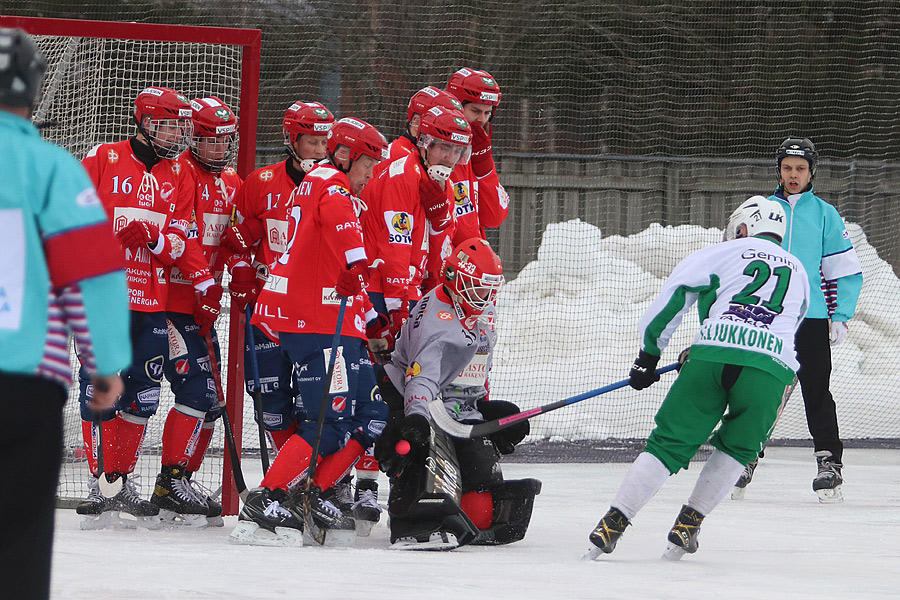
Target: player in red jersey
<point x="262" y="206"/>
<point x="193" y="303"/>
<point x="325" y="260"/>
<point x="140" y="184"/>
<point x="420" y="102"/>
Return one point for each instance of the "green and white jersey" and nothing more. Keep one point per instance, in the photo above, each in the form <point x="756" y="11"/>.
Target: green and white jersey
<point x="751" y="295"/>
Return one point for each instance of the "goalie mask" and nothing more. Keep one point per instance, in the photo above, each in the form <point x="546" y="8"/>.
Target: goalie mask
<point x="799" y="147"/>
<point x="22" y="68"/>
<point x="214" y="141"/>
<point x="472" y="85"/>
<point x="473" y="274"/>
<point x="360" y="138"/>
<point x="163" y="116"/>
<point x="445" y="138"/>
<point x="760" y="215"/>
<point x="305" y="118"/>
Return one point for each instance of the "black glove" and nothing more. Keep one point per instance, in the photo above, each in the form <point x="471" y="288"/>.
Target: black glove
<point x="416" y="430"/>
<point x="643" y="372"/>
<point x="506" y="439"/>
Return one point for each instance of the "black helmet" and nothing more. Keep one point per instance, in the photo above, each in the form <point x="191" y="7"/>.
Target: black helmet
<point x="22" y="68"/>
<point x="801" y="147"/>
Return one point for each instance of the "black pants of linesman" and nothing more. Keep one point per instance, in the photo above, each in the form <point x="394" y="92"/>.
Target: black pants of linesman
<point x="30" y="456"/>
<point x="814" y="355"/>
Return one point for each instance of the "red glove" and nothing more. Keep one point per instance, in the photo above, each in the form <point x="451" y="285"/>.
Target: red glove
<point x="241" y="237"/>
<point x="244" y="286"/>
<point x="381" y="342"/>
<point x="437" y="205"/>
<point x="482" y="159"/>
<point x="137" y="234"/>
<point x="207" y="308"/>
<point x="351" y="281"/>
<point x="398" y="318"/>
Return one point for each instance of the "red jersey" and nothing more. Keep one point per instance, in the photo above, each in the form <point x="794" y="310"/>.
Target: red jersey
<point x="481" y="202"/>
<point x="396" y="231"/>
<point x="402" y="146"/>
<point x="263" y="203"/>
<point x="326" y="236"/>
<point x="129" y="192"/>
<point x="212" y="204"/>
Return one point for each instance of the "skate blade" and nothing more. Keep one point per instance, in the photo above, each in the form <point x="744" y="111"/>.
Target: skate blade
<point x="95" y="522"/>
<point x="215" y="521"/>
<point x="437" y="543"/>
<point x="250" y="534"/>
<point x="364" y="528"/>
<point x="592" y="554"/>
<point x="176" y="520"/>
<point x="831" y="496"/>
<point x="333" y="538"/>
<point x="737" y="493"/>
<point x="673" y="552"/>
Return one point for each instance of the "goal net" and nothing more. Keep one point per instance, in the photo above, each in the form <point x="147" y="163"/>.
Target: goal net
<point x="95" y="72"/>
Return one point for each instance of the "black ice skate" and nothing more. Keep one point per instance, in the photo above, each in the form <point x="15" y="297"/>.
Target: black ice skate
<point x="323" y="521"/>
<point x="213" y="508"/>
<point x="606" y="534"/>
<point x="268" y="518"/>
<point x="176" y="500"/>
<point x="95" y="510"/>
<point x="683" y="536"/>
<point x="341" y="495"/>
<point x="740" y="488"/>
<point x="365" y="509"/>
<point x="828" y="481"/>
<point x="435" y="541"/>
<point x="129" y="501"/>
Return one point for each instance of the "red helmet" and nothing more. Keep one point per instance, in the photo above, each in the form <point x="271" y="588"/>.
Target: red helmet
<point x="166" y="108"/>
<point x="214" y="140"/>
<point x="446" y="125"/>
<point x="474" y="273"/>
<point x="429" y="97"/>
<point x="310" y="118"/>
<point x="359" y="137"/>
<point x="472" y="85"/>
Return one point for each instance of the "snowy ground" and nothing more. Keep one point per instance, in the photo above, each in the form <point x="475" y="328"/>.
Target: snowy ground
<point x="779" y="542"/>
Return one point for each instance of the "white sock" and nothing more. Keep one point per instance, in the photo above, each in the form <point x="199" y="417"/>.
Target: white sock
<point x="718" y="476"/>
<point x="646" y="475"/>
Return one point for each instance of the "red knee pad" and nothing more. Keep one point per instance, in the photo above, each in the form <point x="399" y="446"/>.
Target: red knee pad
<point x="129" y="439"/>
<point x="181" y="436"/>
<point x="479" y="507"/>
<point x="202" y="444"/>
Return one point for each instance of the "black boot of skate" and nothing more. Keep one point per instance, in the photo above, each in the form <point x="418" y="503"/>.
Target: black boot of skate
<point x="323" y="521"/>
<point x="740" y="488"/>
<point x="96" y="509"/>
<point x="176" y="500"/>
<point x="213" y="508"/>
<point x="268" y="518"/>
<point x="365" y="509"/>
<point x="683" y="535"/>
<point x="129" y="501"/>
<point x="828" y="481"/>
<point x="606" y="534"/>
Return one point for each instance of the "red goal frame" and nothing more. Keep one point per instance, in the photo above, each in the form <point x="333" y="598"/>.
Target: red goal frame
<point x="251" y="42"/>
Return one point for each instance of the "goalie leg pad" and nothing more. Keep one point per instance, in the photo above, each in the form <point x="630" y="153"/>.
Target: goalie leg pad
<point x="513" y="504"/>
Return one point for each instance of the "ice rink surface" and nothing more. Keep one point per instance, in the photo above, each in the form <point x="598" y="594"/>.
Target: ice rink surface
<point x="777" y="543"/>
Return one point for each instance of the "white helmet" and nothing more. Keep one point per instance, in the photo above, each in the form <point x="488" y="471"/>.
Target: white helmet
<point x="760" y="215"/>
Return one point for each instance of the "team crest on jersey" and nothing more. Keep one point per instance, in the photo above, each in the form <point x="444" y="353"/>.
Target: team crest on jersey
<point x="154" y="368"/>
<point x="339" y="189"/>
<point x="400" y="227"/>
<point x="112" y="156"/>
<point x="176" y="168"/>
<point x="267" y="175"/>
<point x="413" y="370"/>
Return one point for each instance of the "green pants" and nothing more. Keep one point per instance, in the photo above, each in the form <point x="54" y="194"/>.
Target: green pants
<point x="697" y="402"/>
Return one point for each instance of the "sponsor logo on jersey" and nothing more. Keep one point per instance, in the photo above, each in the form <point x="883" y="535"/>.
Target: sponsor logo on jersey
<point x="444" y="315"/>
<point x="166" y="190"/>
<point x="211" y="385"/>
<point x="272" y="420"/>
<point x="203" y="362"/>
<point x="154" y="368"/>
<point x="182" y="366"/>
<point x="752" y="315"/>
<point x="214" y="226"/>
<point x="845" y="234"/>
<point x="277" y="235"/>
<point x="150" y="396"/>
<point x="504" y="197"/>
<point x="112" y="157"/>
<point x="176" y="168"/>
<point x="88" y="197"/>
<point x="376" y="427"/>
<point x="413" y="370"/>
<point x="331" y="298"/>
<point x="400" y="227"/>
<point x="339" y="189"/>
<point x="338" y="403"/>
<point x="339" y="381"/>
<point x="267" y="175"/>
<point x="359" y="323"/>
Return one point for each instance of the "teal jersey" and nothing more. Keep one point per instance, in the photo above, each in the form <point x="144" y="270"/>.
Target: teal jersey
<point x="817" y="236"/>
<point x="751" y="296"/>
<point x="46" y="199"/>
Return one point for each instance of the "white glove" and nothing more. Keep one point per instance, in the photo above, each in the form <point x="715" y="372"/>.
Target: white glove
<point x="839" y="331"/>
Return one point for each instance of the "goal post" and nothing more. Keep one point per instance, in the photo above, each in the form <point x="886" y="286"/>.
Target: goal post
<point x="95" y="70"/>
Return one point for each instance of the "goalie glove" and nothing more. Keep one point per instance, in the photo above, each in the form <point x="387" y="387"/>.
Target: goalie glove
<point x="416" y="429"/>
<point x="643" y="372"/>
<point x="139" y="234"/>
